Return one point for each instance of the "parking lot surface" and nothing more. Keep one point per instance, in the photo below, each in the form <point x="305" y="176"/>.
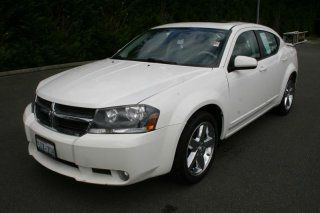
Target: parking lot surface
<point x="272" y="165"/>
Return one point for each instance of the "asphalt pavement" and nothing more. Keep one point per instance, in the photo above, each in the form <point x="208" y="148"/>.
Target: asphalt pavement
<point x="272" y="165"/>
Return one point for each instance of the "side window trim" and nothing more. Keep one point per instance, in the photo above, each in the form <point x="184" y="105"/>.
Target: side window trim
<point x="259" y="45"/>
<point x="262" y="54"/>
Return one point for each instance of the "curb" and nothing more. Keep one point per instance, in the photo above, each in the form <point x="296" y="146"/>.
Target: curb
<point x="44" y="68"/>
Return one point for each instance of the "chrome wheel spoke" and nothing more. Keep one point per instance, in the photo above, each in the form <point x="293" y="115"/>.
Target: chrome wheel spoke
<point x="290" y="99"/>
<point x="202" y="132"/>
<point x="209" y="142"/>
<point x="191" y="159"/>
<point x="200" y="161"/>
<point x="286" y="102"/>
<point x="288" y="96"/>
<point x="193" y="145"/>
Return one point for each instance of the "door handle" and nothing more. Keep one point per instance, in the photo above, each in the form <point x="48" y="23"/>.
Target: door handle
<point x="263" y="69"/>
<point x="285" y="58"/>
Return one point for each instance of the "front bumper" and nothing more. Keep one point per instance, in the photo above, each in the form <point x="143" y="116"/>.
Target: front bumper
<point x="140" y="155"/>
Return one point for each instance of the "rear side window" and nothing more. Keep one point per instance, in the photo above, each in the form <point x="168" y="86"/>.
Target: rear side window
<point x="269" y="43"/>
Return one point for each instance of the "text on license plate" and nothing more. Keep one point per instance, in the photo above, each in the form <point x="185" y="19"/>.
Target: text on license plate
<point x="45" y="146"/>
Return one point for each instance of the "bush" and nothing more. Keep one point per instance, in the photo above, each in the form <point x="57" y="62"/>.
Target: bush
<point x="36" y="33"/>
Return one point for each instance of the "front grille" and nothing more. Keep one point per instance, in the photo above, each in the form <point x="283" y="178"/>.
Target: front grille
<point x="62" y="118"/>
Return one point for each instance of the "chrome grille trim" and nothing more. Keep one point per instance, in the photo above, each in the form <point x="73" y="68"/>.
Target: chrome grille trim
<point x="71" y="120"/>
<point x="69" y="117"/>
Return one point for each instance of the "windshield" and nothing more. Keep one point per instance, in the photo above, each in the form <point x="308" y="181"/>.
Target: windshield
<point x="183" y="46"/>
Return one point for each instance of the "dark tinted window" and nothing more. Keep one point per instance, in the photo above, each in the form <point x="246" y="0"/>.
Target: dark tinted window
<point x="269" y="43"/>
<point x="246" y="45"/>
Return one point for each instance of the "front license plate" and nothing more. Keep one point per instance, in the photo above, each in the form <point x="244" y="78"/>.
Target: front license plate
<point x="46" y="147"/>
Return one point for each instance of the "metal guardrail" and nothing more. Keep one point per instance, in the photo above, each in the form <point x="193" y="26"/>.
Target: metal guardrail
<point x="45" y="68"/>
<point x="295" y="37"/>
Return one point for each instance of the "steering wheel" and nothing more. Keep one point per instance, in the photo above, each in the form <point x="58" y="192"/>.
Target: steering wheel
<point x="204" y="52"/>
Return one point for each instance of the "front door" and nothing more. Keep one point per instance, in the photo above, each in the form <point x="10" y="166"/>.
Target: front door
<point x="246" y="87"/>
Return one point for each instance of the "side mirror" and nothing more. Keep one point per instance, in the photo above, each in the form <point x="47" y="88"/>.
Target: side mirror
<point x="244" y="62"/>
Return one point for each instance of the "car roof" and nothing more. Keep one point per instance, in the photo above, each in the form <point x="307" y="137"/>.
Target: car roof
<point x="214" y="25"/>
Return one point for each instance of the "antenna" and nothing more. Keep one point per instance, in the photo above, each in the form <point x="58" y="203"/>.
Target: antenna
<point x="258" y="11"/>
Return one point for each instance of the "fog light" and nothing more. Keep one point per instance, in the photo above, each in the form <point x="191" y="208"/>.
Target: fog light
<point x="123" y="175"/>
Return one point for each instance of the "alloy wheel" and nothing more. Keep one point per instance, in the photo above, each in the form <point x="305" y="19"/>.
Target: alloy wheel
<point x="288" y="95"/>
<point x="200" y="148"/>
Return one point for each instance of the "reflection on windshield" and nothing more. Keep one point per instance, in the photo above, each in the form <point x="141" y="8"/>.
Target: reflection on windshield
<point x="183" y="46"/>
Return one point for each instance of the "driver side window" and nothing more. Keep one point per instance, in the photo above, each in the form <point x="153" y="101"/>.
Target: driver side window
<point x="246" y="45"/>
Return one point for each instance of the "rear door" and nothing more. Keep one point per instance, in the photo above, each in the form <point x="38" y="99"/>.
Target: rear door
<point x="270" y="63"/>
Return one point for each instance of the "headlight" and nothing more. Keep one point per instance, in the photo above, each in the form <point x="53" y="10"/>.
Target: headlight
<point x="125" y="119"/>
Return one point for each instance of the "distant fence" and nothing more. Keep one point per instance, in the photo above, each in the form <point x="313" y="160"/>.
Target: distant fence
<point x="295" y="37"/>
<point x="45" y="68"/>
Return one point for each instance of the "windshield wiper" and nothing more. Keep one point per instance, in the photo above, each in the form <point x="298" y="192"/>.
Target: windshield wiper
<point x="157" y="61"/>
<point x="118" y="57"/>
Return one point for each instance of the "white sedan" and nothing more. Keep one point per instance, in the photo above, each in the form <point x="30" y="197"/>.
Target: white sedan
<point x="161" y="104"/>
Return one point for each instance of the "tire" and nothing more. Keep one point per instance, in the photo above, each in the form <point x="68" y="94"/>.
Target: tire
<point x="288" y="98"/>
<point x="193" y="146"/>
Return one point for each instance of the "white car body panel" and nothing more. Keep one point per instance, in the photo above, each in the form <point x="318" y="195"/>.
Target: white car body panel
<point x="127" y="82"/>
<point x="177" y="91"/>
<point x="141" y="155"/>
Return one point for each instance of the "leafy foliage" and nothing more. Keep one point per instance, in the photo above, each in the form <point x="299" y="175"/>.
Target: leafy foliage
<point x="35" y="33"/>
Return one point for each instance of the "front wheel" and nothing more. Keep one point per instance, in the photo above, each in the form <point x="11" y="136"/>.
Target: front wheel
<point x="288" y="98"/>
<point x="196" y="148"/>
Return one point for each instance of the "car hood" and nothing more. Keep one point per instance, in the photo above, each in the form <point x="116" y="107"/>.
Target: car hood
<point x="114" y="82"/>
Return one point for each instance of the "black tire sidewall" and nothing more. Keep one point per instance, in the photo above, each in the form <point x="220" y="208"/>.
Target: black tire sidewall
<point x="180" y="168"/>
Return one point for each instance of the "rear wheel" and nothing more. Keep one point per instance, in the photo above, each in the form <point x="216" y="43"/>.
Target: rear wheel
<point x="196" y="148"/>
<point x="288" y="98"/>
